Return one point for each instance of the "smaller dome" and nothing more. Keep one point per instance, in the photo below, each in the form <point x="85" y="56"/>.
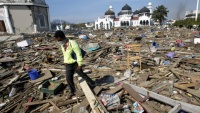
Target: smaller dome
<point x="110" y="7"/>
<point x="144" y="9"/>
<point x="136" y="12"/>
<point x="109" y="12"/>
<point x="120" y="13"/>
<point x="126" y="7"/>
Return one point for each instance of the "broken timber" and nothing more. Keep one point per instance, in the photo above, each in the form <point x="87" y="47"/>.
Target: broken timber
<point x="184" y="106"/>
<point x="90" y="96"/>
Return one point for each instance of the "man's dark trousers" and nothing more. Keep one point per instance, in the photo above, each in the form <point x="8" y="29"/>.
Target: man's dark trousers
<point x="70" y="69"/>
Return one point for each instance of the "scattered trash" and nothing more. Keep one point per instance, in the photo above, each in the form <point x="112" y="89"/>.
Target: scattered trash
<point x="137" y="108"/>
<point x="24" y="43"/>
<point x="169" y="69"/>
<point x="33" y="74"/>
<point x="171" y="54"/>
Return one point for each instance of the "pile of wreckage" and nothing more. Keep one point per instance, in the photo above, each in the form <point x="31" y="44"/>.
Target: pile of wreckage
<point x="164" y="78"/>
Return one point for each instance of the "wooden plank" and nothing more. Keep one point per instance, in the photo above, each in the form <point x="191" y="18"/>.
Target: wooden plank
<point x="42" y="102"/>
<point x="184" y="106"/>
<point x="119" y="80"/>
<point x="184" y="86"/>
<point x="115" y="107"/>
<point x="7" y="59"/>
<point x="101" y="104"/>
<point x="47" y="105"/>
<point x="33" y="111"/>
<point x="148" y="108"/>
<point x="132" y="92"/>
<point x="194" y="92"/>
<point x="155" y="107"/>
<point x="89" y="95"/>
<point x="56" y="107"/>
<point x="69" y="102"/>
<point x="115" y="90"/>
<point x="144" y="77"/>
<point x="175" y="109"/>
<point x="176" y="63"/>
<point x="98" y="90"/>
<point x="161" y="88"/>
<point x="84" y="103"/>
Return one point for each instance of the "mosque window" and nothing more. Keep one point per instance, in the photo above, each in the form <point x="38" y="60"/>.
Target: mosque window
<point x="42" y="20"/>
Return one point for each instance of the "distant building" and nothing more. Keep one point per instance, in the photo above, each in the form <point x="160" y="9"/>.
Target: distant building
<point x="68" y="27"/>
<point x="125" y="18"/>
<point x="170" y="22"/>
<point x="191" y="14"/>
<point x="24" y="16"/>
<point x="89" y="25"/>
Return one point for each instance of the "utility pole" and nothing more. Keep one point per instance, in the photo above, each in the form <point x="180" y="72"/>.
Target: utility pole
<point x="197" y="10"/>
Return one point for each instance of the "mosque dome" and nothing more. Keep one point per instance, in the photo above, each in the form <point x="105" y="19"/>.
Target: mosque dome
<point x="109" y="12"/>
<point x="126" y="7"/>
<point x="136" y="12"/>
<point x="144" y="9"/>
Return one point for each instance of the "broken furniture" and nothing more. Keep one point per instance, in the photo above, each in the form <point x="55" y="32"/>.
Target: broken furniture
<point x="51" y="87"/>
<point x="133" y="53"/>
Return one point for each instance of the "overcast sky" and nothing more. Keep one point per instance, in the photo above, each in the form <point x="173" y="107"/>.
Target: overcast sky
<point x="77" y="11"/>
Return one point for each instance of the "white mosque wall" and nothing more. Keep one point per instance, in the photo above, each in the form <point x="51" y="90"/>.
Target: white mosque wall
<point x="108" y="22"/>
<point x="117" y="24"/>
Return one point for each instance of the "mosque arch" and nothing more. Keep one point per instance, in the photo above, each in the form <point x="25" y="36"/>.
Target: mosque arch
<point x="140" y="22"/>
<point x="97" y="26"/>
<point x="122" y="23"/>
<point x="42" y="20"/>
<point x="143" y="23"/>
<point x="101" y="25"/>
<point x="2" y="24"/>
<point x="111" y="25"/>
<point x="127" y="23"/>
<point x="147" y="22"/>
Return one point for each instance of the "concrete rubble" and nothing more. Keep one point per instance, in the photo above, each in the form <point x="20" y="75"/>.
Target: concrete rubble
<point x="169" y="80"/>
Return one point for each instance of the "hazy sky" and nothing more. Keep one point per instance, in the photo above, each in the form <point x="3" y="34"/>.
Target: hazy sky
<point x="89" y="10"/>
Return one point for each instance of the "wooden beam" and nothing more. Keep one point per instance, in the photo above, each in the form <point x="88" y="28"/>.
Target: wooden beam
<point x="67" y="102"/>
<point x="47" y="105"/>
<point x="184" y="106"/>
<point x="42" y="102"/>
<point x="194" y="92"/>
<point x="115" y="90"/>
<point x="33" y="111"/>
<point x="101" y="104"/>
<point x="132" y="92"/>
<point x="175" y="109"/>
<point x="56" y="107"/>
<point x="89" y="95"/>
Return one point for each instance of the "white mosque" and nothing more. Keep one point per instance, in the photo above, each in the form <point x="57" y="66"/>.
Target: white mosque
<point x="125" y="18"/>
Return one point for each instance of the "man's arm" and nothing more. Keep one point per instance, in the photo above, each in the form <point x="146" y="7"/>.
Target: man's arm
<point x="78" y="53"/>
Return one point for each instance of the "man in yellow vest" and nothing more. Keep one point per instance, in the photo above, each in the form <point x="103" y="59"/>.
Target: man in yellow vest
<point x="72" y="65"/>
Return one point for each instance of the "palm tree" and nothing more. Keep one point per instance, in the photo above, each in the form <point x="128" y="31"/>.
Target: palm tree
<point x="160" y="13"/>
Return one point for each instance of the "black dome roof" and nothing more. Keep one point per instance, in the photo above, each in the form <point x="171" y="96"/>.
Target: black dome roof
<point x="126" y="7"/>
<point x="126" y="12"/>
<point x="120" y="13"/>
<point x="109" y="12"/>
<point x="136" y="12"/>
<point x="144" y="9"/>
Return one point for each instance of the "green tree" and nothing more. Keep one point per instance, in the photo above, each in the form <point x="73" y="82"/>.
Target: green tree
<point x="64" y="24"/>
<point x="160" y="13"/>
<point x="189" y="22"/>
